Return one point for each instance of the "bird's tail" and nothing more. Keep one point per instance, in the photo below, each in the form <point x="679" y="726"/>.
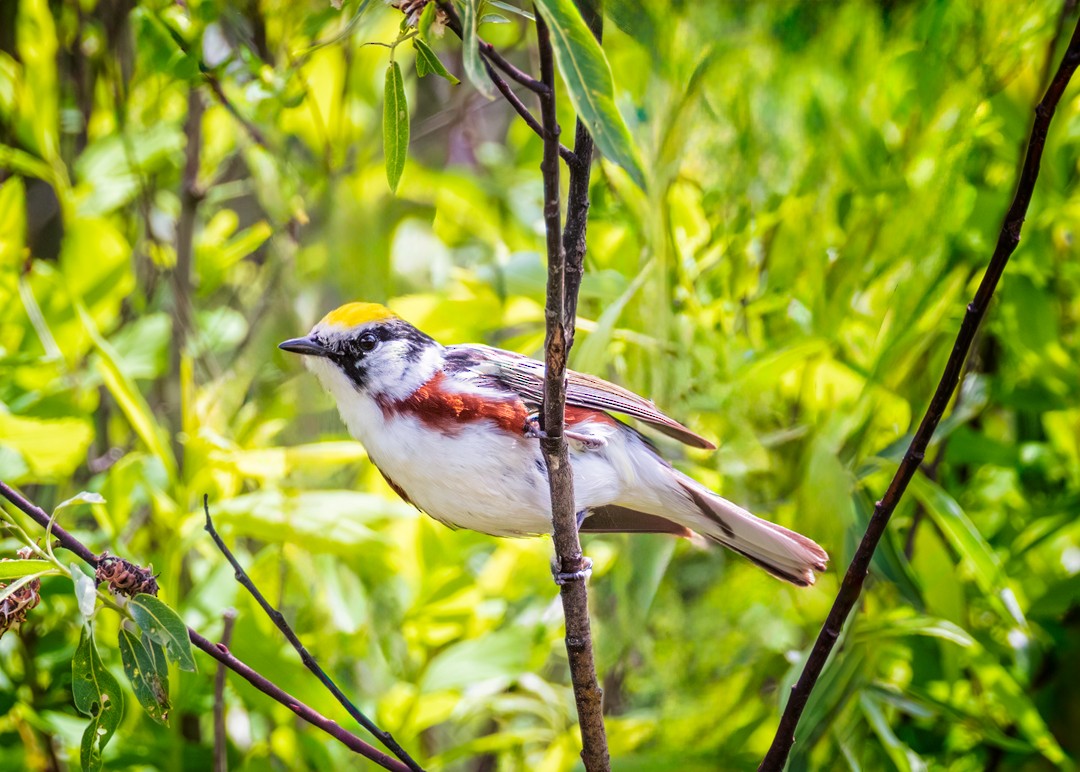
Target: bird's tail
<point x="783" y="553"/>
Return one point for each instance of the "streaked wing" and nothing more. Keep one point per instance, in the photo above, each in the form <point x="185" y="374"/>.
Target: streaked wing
<point x="526" y="377"/>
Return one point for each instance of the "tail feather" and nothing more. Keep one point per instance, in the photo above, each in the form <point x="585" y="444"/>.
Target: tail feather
<point x="782" y="552"/>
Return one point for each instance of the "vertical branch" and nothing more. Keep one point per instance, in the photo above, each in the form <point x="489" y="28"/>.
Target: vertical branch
<point x="851" y="587"/>
<point x="568" y="556"/>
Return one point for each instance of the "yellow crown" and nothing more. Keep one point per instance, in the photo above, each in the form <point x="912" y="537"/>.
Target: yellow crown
<point x="355" y="314"/>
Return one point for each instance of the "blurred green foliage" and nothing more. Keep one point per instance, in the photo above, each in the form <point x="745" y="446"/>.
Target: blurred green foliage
<point x="824" y="184"/>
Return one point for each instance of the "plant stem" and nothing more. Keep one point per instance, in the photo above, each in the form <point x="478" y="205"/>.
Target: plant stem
<point x="305" y="656"/>
<point x="568" y="556"/>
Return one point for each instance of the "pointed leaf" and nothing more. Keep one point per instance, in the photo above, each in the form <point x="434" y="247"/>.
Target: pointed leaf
<point x="427" y="18"/>
<point x="15" y="569"/>
<point x="151" y="690"/>
<point x="97" y="694"/>
<point x="162" y="624"/>
<point x="395" y="125"/>
<point x="85" y="497"/>
<point x="588" y="78"/>
<point x="470" y="48"/>
<point x="427" y="61"/>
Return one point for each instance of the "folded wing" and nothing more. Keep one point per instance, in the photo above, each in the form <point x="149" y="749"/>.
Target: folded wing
<point x="525" y="376"/>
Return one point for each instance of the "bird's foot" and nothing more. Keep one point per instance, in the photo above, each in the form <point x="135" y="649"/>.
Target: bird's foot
<point x="532" y="431"/>
<point x="565" y="577"/>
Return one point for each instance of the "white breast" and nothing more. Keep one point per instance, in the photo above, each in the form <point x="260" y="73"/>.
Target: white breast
<point x="479" y="477"/>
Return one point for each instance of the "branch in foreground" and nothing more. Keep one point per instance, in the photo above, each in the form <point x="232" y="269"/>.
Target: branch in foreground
<point x="568" y="556"/>
<point x="851" y="587"/>
<point x="305" y="656"/>
<point x="217" y="651"/>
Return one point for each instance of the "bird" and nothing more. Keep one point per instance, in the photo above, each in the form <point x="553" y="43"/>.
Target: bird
<point x="454" y="431"/>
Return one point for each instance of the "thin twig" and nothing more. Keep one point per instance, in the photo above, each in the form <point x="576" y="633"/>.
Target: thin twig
<point x="305" y="656"/>
<point x="490" y="56"/>
<point x="489" y="51"/>
<point x="221" y="756"/>
<point x="852" y="584"/>
<point x="566" y="153"/>
<point x="217" y="651"/>
<point x="568" y="557"/>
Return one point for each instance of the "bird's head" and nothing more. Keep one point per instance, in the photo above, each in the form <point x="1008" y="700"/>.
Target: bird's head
<point x="366" y="348"/>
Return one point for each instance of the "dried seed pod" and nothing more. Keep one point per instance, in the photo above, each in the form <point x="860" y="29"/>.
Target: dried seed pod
<point x="14" y="608"/>
<point x="123" y="577"/>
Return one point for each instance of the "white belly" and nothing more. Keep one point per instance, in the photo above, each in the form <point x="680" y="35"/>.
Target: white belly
<point x="480" y="477"/>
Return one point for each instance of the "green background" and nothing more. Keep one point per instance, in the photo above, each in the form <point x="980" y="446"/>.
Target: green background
<point x="825" y="183"/>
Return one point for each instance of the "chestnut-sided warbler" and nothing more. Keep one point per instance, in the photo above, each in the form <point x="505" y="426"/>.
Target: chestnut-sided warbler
<point x="453" y="430"/>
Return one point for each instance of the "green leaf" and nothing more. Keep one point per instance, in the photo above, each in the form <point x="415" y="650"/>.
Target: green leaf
<point x="499" y="656"/>
<point x="588" y="79"/>
<point x="395" y="125"/>
<point x="511" y="8"/>
<point x="470" y="49"/>
<point x="427" y="61"/>
<point x="98" y="695"/>
<point x="427" y="18"/>
<point x="965" y="538"/>
<point x="14" y="569"/>
<point x="901" y="755"/>
<point x="162" y="624"/>
<point x="149" y="682"/>
<point x="83" y="497"/>
<point x="51" y="447"/>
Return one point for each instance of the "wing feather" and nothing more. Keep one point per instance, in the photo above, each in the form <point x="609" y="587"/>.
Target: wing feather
<point x="525" y="376"/>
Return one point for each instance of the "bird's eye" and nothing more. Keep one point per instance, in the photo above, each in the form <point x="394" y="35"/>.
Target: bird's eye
<point x="367" y="342"/>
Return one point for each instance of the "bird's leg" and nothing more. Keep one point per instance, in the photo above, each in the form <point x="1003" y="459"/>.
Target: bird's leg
<point x="564" y="577"/>
<point x="533" y="431"/>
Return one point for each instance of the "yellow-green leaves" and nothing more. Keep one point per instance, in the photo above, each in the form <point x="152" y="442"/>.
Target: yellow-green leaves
<point x="163" y="625"/>
<point x="395" y="125"/>
<point x="48" y="448"/>
<point x="97" y="694"/>
<point x="16" y="569"/>
<point x="588" y="79"/>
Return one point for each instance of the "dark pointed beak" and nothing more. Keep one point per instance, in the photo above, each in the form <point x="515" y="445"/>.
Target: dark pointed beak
<point x="304" y="346"/>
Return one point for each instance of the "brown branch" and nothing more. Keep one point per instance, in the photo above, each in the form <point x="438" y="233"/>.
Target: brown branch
<point x="217" y="651"/>
<point x="491" y="56"/>
<point x="221" y="757"/>
<point x="568" y="557"/>
<point x="489" y="51"/>
<point x="565" y="153"/>
<point x="305" y="656"/>
<point x="852" y="584"/>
